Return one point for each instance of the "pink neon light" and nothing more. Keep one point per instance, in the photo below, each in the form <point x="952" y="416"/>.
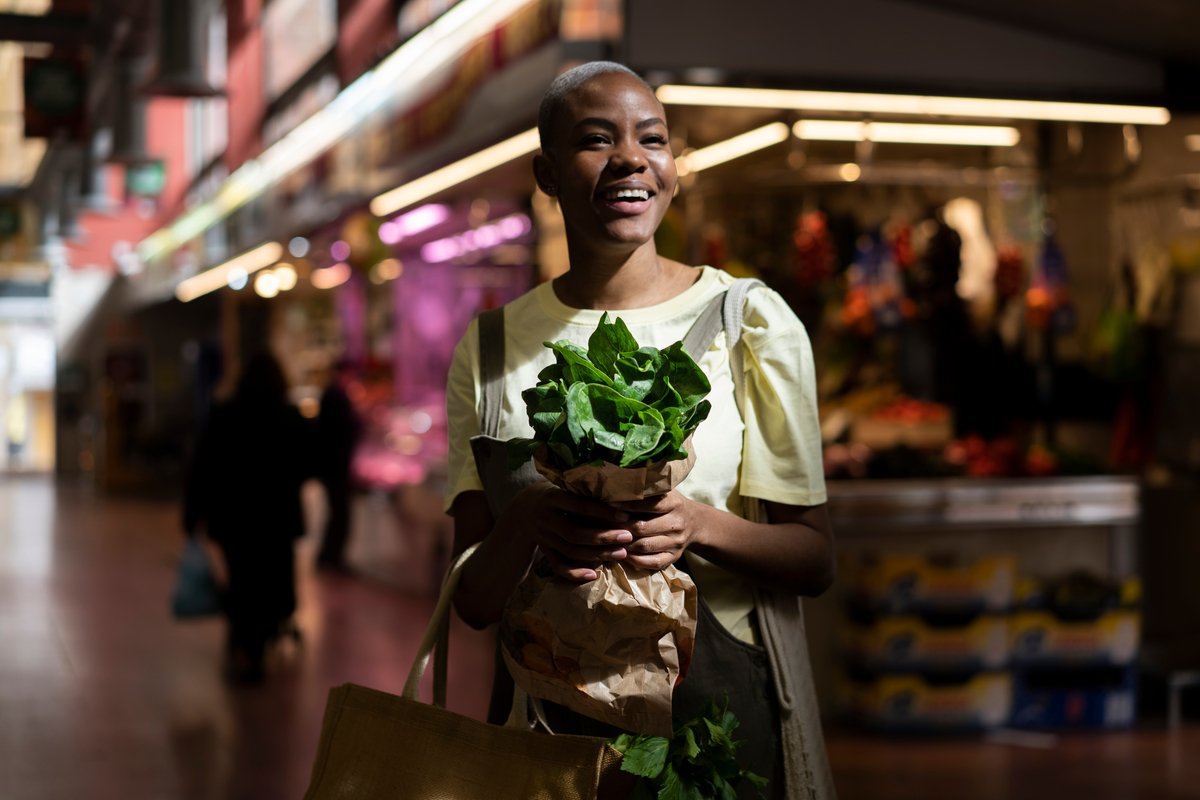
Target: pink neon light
<point x="483" y="237"/>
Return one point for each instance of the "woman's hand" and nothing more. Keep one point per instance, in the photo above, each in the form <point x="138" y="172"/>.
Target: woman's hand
<point x="659" y="540"/>
<point x="574" y="532"/>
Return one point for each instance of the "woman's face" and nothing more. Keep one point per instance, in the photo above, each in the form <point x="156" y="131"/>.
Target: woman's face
<point x="611" y="167"/>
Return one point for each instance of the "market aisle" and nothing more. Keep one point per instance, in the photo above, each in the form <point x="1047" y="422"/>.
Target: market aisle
<point x="103" y="696"/>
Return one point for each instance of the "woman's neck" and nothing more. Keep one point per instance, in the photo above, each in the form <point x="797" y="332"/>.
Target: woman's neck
<point x="634" y="280"/>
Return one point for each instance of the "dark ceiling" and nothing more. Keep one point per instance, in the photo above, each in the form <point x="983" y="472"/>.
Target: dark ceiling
<point x="1160" y="29"/>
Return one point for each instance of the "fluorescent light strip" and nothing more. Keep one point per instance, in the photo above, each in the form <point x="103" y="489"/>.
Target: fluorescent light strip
<point x="399" y="78"/>
<point x="210" y="280"/>
<point x="841" y="131"/>
<point x="910" y="104"/>
<point x="414" y="191"/>
<point x="733" y="148"/>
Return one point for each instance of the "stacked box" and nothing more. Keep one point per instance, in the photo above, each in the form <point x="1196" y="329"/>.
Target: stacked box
<point x="1074" y="652"/>
<point x="926" y="645"/>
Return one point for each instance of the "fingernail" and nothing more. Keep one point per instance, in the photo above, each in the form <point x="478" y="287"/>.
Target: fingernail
<point x="618" y="553"/>
<point x="589" y="576"/>
<point x="624" y="537"/>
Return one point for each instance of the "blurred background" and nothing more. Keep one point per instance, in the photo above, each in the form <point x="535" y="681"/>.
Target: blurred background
<point x="987" y="215"/>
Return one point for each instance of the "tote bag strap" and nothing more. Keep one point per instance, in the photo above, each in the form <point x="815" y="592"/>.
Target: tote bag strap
<point x="491" y="369"/>
<point x="435" y="644"/>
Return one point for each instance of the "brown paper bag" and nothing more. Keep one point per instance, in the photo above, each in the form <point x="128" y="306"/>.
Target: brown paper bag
<point x="613" y="648"/>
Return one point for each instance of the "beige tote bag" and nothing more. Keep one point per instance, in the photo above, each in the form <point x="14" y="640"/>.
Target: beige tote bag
<point x="376" y="746"/>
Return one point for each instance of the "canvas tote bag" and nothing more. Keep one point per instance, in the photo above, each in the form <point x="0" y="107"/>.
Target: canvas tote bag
<point x="376" y="746"/>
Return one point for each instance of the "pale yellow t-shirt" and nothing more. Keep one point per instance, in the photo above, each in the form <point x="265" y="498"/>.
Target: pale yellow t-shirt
<point x="775" y="455"/>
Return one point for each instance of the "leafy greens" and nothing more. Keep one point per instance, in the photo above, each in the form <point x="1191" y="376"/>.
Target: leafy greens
<point x="615" y="402"/>
<point x="698" y="763"/>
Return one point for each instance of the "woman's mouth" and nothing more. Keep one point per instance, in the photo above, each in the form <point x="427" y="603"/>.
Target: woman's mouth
<point x="627" y="201"/>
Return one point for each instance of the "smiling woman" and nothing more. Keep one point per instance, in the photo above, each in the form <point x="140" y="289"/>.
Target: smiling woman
<point x="606" y="157"/>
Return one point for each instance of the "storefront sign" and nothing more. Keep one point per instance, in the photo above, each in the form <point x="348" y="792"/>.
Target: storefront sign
<point x="521" y="34"/>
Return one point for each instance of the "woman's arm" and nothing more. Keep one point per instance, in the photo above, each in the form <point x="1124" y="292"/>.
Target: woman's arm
<point x="544" y="516"/>
<point x="792" y="554"/>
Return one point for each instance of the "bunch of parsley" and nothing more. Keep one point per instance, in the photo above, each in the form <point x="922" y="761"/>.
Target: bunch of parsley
<point x="615" y="402"/>
<point x="699" y="763"/>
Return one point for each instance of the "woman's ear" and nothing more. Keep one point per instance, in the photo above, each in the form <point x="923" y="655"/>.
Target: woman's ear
<point x="544" y="174"/>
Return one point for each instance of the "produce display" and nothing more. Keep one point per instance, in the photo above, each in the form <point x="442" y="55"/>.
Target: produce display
<point x="614" y="403"/>
<point x="699" y="762"/>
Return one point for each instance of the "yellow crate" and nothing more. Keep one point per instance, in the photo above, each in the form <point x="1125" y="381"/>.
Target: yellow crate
<point x="1039" y="637"/>
<point x="909" y="702"/>
<point x="899" y="585"/>
<point x="909" y="644"/>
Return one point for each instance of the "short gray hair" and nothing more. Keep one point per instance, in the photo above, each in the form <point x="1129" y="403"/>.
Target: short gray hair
<point x="555" y="98"/>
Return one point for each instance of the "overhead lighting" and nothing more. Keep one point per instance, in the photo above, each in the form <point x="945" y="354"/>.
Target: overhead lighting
<point x="239" y="267"/>
<point x="412" y="192"/>
<point x="835" y="130"/>
<point x="412" y="223"/>
<point x="266" y="284"/>
<point x="502" y="230"/>
<point x="910" y="104"/>
<point x="286" y="275"/>
<point x="330" y="276"/>
<point x="733" y="148"/>
<point x="850" y="172"/>
<point x="399" y="79"/>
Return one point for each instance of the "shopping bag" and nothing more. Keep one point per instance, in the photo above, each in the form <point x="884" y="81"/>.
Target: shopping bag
<point x="376" y="746"/>
<point x="196" y="592"/>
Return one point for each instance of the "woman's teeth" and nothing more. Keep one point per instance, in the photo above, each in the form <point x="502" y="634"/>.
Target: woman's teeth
<point x="632" y="194"/>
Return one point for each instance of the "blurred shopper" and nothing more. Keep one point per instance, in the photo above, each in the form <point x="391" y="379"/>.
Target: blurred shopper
<point x="338" y="428"/>
<point x="244" y="488"/>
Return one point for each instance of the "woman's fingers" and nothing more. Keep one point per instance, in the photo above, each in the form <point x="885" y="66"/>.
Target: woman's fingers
<point x="581" y="553"/>
<point x="659" y="504"/>
<point x="652" y="561"/>
<point x="587" y="507"/>
<point x="593" y="537"/>
<point x="576" y="573"/>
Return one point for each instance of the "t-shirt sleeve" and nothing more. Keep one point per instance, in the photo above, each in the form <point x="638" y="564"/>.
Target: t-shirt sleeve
<point x="782" y="460"/>
<point x="462" y="419"/>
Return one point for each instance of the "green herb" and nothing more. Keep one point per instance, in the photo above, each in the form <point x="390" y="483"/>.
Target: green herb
<point x="613" y="402"/>
<point x="699" y="763"/>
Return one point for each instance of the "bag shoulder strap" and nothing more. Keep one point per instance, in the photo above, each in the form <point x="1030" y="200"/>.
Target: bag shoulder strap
<point x="491" y="369"/>
<point x="732" y="314"/>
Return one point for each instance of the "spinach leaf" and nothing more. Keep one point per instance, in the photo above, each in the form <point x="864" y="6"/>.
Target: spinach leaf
<point x="615" y="402"/>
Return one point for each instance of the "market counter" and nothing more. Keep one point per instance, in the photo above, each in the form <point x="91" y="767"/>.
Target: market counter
<point x="885" y="507"/>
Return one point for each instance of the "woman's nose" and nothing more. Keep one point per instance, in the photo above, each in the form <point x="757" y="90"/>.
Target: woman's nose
<point x="628" y="158"/>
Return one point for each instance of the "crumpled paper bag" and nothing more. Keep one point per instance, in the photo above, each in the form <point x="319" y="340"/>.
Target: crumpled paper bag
<point x="614" y="648"/>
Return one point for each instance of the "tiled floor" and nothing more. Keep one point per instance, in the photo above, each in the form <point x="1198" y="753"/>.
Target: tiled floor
<point x="104" y="697"/>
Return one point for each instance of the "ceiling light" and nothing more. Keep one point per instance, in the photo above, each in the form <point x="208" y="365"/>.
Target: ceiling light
<point x="330" y="276"/>
<point x="414" y="191"/>
<point x="733" y="148"/>
<point x="834" y="130"/>
<point x="213" y="279"/>
<point x="850" y="172"/>
<point x="504" y="229"/>
<point x="412" y="223"/>
<point x="266" y="284"/>
<point x="910" y="104"/>
<point x="286" y="275"/>
<point x="387" y="270"/>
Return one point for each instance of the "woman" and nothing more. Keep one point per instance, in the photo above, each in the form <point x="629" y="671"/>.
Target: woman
<point x="244" y="488"/>
<point x="606" y="157"/>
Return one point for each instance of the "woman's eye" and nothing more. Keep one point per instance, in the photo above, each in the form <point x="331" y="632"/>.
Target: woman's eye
<point x="656" y="140"/>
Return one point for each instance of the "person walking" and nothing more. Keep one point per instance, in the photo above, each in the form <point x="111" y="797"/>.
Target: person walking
<point x="606" y="157"/>
<point x="244" y="493"/>
<point x="338" y="429"/>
